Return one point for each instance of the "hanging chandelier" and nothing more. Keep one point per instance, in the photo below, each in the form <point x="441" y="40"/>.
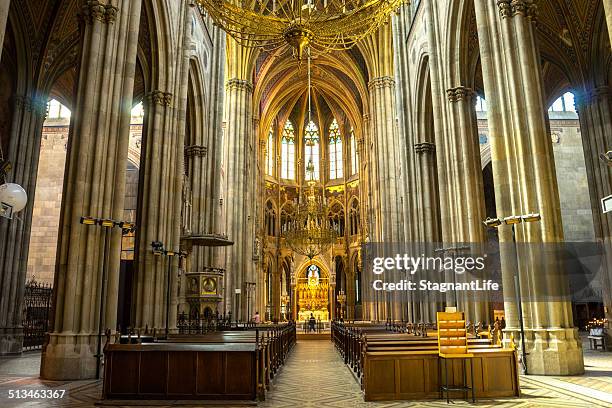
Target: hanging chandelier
<point x="310" y="232"/>
<point x="324" y="25"/>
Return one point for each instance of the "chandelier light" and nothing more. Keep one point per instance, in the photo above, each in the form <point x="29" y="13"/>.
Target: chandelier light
<point x="310" y="232"/>
<point x="324" y="25"/>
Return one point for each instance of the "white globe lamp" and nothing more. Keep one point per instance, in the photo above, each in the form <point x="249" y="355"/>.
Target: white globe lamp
<point x="13" y="195"/>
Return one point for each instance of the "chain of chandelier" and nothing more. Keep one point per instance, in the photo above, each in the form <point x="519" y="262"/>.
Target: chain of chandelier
<point x="324" y="25"/>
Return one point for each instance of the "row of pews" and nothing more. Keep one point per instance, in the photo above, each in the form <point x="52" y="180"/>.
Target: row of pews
<point x="236" y="365"/>
<point x="399" y="361"/>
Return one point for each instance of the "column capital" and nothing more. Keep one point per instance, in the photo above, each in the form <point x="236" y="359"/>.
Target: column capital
<point x="196" y="150"/>
<point x="460" y="93"/>
<point x="424" y="147"/>
<point x="160" y="98"/>
<point x="23" y="102"/>
<point x="505" y="10"/>
<point x="511" y="8"/>
<point x="381" y="82"/>
<point x="239" y="84"/>
<point x="110" y="15"/>
<point x="94" y="10"/>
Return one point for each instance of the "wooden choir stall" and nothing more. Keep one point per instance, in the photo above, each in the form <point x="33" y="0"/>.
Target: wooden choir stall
<point x="404" y="362"/>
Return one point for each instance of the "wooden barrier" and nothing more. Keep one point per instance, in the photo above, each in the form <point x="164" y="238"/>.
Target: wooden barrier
<point x="212" y="366"/>
<point x="409" y="375"/>
<point x="394" y="365"/>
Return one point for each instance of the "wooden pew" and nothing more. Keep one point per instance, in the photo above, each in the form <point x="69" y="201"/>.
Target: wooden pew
<point x="236" y="365"/>
<point x="367" y="349"/>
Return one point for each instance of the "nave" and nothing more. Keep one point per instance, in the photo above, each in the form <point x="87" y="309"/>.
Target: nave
<point x="315" y="376"/>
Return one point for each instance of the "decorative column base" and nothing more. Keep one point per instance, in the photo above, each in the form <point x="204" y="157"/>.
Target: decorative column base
<point x="11" y="340"/>
<point x="550" y="351"/>
<point x="69" y="357"/>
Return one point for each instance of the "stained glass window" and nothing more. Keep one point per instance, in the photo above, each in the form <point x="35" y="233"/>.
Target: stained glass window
<point x="288" y="152"/>
<point x="335" y="151"/>
<point x="270" y="153"/>
<point x="311" y="140"/>
<point x="354" y="154"/>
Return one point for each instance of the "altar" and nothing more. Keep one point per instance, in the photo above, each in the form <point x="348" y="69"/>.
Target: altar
<point x="312" y="292"/>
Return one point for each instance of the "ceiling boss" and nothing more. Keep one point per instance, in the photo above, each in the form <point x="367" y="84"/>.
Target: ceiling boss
<point x="323" y="25"/>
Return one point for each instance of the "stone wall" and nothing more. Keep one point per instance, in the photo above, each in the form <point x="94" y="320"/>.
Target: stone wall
<point x="571" y="173"/>
<point x="48" y="201"/>
<point x="48" y="196"/>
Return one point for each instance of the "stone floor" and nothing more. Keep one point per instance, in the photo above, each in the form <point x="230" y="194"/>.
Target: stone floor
<point x="314" y="376"/>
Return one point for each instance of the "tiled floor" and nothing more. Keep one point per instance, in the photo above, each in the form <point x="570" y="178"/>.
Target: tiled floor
<point x="314" y="376"/>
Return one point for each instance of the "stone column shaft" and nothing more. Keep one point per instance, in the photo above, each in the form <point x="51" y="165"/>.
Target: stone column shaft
<point x="238" y="139"/>
<point x="608" y="11"/>
<point x="93" y="186"/>
<point x="23" y="153"/>
<point x="525" y="180"/>
<point x="4" y="11"/>
<point x="595" y="112"/>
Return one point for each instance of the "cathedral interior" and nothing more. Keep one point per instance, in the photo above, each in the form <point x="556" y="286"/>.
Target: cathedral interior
<point x="192" y="191"/>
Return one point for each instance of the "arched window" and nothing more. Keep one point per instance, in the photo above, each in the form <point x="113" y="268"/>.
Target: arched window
<point x="481" y="104"/>
<point x="311" y="140"/>
<point x="354" y="154"/>
<point x="55" y="110"/>
<point x="270" y="153"/>
<point x="288" y="152"/>
<point x="335" y="151"/>
<point x="287" y="213"/>
<point x="565" y="103"/>
<point x="336" y="218"/>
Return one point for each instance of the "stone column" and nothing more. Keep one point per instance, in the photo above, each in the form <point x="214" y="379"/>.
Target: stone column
<point x="238" y="165"/>
<point x="24" y="148"/>
<point x="4" y="12"/>
<point x="428" y="212"/>
<point x="160" y="166"/>
<point x="387" y="158"/>
<point x="462" y="155"/>
<point x="160" y="198"/>
<point x="595" y="113"/>
<point x="94" y="186"/>
<point x="204" y="152"/>
<point x="525" y="182"/>
<point x="608" y="11"/>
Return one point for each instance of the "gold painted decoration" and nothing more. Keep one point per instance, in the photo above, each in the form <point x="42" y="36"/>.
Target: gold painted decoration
<point x="322" y="25"/>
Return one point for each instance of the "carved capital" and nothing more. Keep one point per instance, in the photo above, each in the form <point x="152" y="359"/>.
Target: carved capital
<point x="505" y="9"/>
<point x="93" y="10"/>
<point x="195" y="150"/>
<point x="110" y="14"/>
<point x="519" y="7"/>
<point x="381" y="82"/>
<point x="425" y="147"/>
<point x="39" y="108"/>
<point x="461" y="93"/>
<point x="160" y="98"/>
<point x="239" y="85"/>
<point x="23" y="102"/>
